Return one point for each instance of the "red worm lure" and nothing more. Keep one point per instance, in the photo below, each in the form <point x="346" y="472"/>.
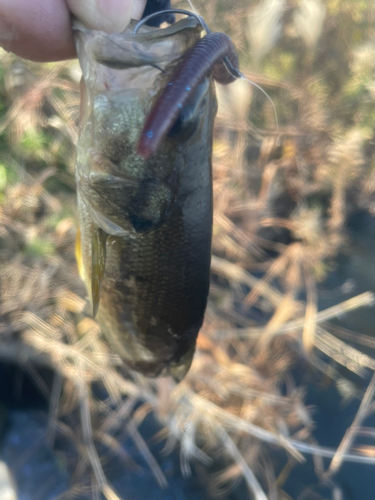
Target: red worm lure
<point x="216" y="54"/>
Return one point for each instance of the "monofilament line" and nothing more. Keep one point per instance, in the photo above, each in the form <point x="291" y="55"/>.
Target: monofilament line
<point x="193" y="8"/>
<point x="271" y="101"/>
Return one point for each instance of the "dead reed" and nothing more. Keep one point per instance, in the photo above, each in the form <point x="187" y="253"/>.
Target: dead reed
<point x="282" y="201"/>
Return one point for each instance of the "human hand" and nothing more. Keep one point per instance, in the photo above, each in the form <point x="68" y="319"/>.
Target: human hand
<point x="40" y="30"/>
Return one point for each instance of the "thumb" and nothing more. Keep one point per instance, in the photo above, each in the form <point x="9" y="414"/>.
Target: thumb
<point x="107" y="15"/>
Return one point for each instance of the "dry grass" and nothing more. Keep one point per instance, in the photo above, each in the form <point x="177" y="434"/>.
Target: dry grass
<point x="280" y="222"/>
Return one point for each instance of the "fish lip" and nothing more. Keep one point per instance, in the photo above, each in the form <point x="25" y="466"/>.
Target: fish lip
<point x="148" y="34"/>
<point x="102" y="44"/>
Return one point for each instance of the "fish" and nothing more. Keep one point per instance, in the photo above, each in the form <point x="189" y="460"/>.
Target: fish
<point x="144" y="204"/>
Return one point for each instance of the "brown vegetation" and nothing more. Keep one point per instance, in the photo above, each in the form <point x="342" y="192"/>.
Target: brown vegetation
<point x="282" y="201"/>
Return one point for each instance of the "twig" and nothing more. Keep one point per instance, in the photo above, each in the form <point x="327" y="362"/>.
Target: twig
<point x="350" y="433"/>
<point x="361" y="300"/>
<point x="148" y="456"/>
<point x="292" y="445"/>
<point x="248" y="474"/>
<point x="54" y="406"/>
<point x="234" y="272"/>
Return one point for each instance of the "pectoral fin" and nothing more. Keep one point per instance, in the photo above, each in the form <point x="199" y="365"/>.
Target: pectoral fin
<point x="99" y="242"/>
<point x="108" y="196"/>
<point x="126" y="204"/>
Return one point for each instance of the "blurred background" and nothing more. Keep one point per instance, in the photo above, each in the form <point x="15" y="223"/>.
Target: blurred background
<point x="279" y="401"/>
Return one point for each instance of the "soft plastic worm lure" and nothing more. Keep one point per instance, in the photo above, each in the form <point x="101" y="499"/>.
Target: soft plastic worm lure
<point x="214" y="53"/>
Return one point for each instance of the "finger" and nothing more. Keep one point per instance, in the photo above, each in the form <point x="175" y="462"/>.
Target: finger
<point x="39" y="30"/>
<point x="107" y="15"/>
<point x="138" y="9"/>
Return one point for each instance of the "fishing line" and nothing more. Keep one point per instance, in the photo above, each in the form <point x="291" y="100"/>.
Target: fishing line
<point x="234" y="72"/>
<point x="243" y="77"/>
<point x="193" y="8"/>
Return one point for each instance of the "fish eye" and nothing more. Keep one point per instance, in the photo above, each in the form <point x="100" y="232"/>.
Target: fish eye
<point x="189" y="117"/>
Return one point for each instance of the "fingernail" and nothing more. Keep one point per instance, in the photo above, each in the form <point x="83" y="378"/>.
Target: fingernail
<point x="138" y="9"/>
<point x="106" y="15"/>
<point x="115" y="14"/>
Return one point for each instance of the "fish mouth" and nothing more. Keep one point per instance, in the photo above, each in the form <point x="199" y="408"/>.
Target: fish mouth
<point x="149" y="46"/>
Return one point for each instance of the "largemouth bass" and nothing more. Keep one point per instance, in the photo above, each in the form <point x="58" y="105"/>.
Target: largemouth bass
<point x="144" y="245"/>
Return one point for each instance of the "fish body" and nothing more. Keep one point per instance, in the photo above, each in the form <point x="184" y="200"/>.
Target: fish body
<point x="145" y="225"/>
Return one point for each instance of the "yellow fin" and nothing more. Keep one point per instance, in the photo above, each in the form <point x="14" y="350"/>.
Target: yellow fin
<point x="78" y="250"/>
<point x="99" y="242"/>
